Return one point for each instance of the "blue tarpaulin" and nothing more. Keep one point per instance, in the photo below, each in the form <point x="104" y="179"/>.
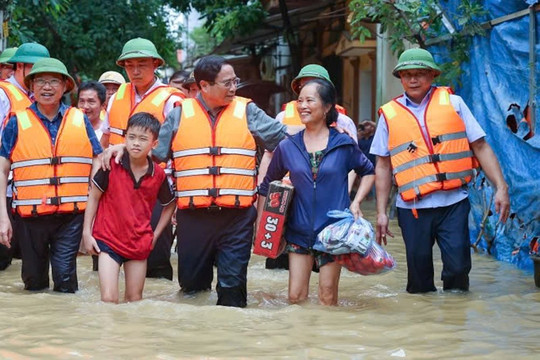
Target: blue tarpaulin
<point x="496" y="77"/>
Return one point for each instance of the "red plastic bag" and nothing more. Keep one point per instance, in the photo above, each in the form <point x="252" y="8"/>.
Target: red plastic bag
<point x="375" y="261"/>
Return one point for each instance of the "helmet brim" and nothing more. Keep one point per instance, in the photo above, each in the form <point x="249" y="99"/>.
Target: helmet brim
<point x="138" y="54"/>
<point x="415" y="65"/>
<point x="70" y="83"/>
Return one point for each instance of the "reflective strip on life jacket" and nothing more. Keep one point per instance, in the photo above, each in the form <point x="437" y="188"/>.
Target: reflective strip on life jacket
<point x="18" y="100"/>
<point x="51" y="178"/>
<point x="215" y="192"/>
<point x="215" y="170"/>
<point x="117" y="131"/>
<point x="124" y="106"/>
<point x="51" y="161"/>
<point x="214" y="160"/>
<point x="435" y="178"/>
<point x="51" y="201"/>
<point x="214" y="151"/>
<point x="432" y="158"/>
<point x="440" y="159"/>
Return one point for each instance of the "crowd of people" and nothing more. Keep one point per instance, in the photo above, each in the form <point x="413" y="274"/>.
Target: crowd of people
<point x="113" y="175"/>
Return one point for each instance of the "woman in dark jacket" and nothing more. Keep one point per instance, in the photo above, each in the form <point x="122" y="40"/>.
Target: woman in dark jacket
<point x="318" y="160"/>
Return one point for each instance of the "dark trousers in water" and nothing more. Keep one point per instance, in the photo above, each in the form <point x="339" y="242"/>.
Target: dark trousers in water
<point x="449" y="227"/>
<point x="7" y="254"/>
<point x="159" y="262"/>
<point x="53" y="238"/>
<point x="222" y="237"/>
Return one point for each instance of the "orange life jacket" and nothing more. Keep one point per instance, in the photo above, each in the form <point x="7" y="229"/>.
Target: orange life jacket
<point x="214" y="164"/>
<point x="18" y="100"/>
<point x="124" y="106"/>
<point x="292" y="116"/>
<point x="49" y="178"/>
<point x="420" y="165"/>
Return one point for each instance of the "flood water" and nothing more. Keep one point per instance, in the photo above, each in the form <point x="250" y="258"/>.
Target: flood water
<point x="376" y="319"/>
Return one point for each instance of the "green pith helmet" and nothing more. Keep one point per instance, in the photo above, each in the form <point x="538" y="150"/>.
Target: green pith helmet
<point x="7" y="54"/>
<point x="311" y="70"/>
<point x="416" y="59"/>
<point x="50" y="65"/>
<point x="29" y="53"/>
<point x="139" y="48"/>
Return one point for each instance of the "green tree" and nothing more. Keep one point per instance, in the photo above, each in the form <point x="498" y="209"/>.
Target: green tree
<point x="88" y="35"/>
<point x="204" y="43"/>
<point x="225" y="18"/>
<point x="420" y="21"/>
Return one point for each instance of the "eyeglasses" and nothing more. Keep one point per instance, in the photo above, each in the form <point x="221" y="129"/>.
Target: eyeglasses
<point x="52" y="82"/>
<point x="229" y="83"/>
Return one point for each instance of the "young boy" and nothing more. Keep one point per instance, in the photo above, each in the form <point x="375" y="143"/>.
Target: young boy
<point x="123" y="198"/>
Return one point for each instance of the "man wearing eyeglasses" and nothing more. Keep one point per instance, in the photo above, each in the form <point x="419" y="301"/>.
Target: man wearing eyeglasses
<point x="15" y="96"/>
<point x="51" y="148"/>
<point x="427" y="142"/>
<point x="213" y="140"/>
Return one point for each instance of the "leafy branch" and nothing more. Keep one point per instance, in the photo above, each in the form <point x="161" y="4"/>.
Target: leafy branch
<point x="419" y="22"/>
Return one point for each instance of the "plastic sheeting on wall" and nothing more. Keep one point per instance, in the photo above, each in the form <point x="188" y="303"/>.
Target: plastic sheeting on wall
<point x="496" y="77"/>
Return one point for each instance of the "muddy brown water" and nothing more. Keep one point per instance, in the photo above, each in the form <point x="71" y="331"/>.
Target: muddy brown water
<point x="376" y="319"/>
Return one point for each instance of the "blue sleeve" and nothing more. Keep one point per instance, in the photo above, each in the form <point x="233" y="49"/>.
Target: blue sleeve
<point x="96" y="146"/>
<point x="9" y="137"/>
<point x="360" y="163"/>
<point x="276" y="171"/>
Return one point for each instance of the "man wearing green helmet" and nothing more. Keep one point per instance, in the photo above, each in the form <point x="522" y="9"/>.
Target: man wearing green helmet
<point x="15" y="96"/>
<point x="144" y="93"/>
<point x="427" y="142"/>
<point x="6" y="68"/>
<point x="51" y="148"/>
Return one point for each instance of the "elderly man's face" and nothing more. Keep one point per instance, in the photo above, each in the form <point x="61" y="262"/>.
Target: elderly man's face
<point x="48" y="88"/>
<point x="416" y="83"/>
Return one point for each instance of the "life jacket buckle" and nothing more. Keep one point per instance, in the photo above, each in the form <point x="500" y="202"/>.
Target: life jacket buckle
<point x="214" y="170"/>
<point x="54" y="181"/>
<point x="441" y="177"/>
<point x="436" y="140"/>
<point x="215" y="150"/>
<point x="435" y="158"/>
<point x="55" y="160"/>
<point x="412" y="147"/>
<point x="213" y="192"/>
